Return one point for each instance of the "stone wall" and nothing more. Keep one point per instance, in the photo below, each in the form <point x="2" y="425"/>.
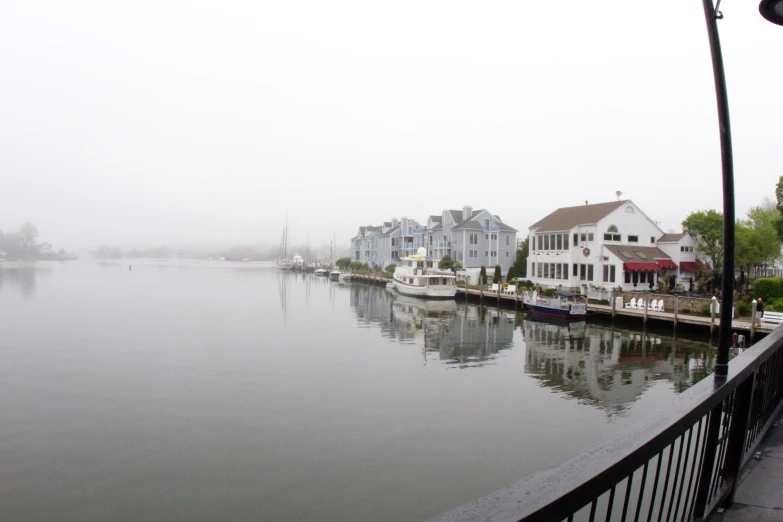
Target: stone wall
<point x="693" y="303"/>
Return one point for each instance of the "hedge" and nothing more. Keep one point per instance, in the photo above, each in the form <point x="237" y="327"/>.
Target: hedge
<point x="768" y="287"/>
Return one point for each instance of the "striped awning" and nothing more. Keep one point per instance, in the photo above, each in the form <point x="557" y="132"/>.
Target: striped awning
<point x="691" y="266"/>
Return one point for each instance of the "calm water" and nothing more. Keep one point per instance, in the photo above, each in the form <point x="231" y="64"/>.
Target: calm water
<point x="186" y="390"/>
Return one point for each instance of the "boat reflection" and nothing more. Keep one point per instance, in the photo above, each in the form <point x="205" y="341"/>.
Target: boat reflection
<point x="610" y="368"/>
<point x="460" y="335"/>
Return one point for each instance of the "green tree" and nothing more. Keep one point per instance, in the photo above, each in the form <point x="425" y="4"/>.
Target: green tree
<point x="446" y="263"/>
<point x="483" y="275"/>
<point x="520" y="264"/>
<point x="511" y="274"/>
<point x="390" y="268"/>
<point x="498" y="276"/>
<point x="706" y="226"/>
<point x="343" y="263"/>
<point x="354" y="266"/>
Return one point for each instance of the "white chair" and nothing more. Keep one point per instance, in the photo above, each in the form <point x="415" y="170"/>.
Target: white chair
<point x="632" y="304"/>
<point x="493" y="288"/>
<point x="640" y="304"/>
<point x="511" y="289"/>
<point x="660" y="305"/>
<point x="653" y="305"/>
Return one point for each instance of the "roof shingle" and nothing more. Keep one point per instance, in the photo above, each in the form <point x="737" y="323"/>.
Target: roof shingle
<point x="567" y="218"/>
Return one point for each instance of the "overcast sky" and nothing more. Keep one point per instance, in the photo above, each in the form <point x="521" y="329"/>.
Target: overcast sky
<point x="140" y="123"/>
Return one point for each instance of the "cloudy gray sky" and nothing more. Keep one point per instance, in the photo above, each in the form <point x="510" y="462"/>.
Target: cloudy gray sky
<point x="139" y="123"/>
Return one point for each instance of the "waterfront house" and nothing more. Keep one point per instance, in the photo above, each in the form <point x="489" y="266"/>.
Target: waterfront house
<point x="608" y="245"/>
<point x="474" y="238"/>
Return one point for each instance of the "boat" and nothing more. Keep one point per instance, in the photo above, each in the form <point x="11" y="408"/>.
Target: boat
<point x="345" y="276"/>
<point x="321" y="272"/>
<point x="334" y="275"/>
<point x="562" y="305"/>
<point x="283" y="262"/>
<point x="416" y="276"/>
<point x="390" y="286"/>
<point x="299" y="262"/>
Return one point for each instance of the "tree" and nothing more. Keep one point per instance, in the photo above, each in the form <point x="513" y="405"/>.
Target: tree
<point x="498" y="277"/>
<point x="446" y="262"/>
<point x="706" y="226"/>
<point x="343" y="263"/>
<point x="353" y="265"/>
<point x="390" y="268"/>
<point x="520" y="264"/>
<point x="483" y="275"/>
<point x="511" y="274"/>
<point x="29" y="232"/>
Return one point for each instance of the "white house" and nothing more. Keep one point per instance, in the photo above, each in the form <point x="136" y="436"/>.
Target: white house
<point x="606" y="245"/>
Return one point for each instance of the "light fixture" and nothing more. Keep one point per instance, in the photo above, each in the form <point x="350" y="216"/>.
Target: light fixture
<point x="772" y="10"/>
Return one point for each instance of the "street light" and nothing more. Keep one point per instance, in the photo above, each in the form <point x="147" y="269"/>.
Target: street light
<point x="772" y="10"/>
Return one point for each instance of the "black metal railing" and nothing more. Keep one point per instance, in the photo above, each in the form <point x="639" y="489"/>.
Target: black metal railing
<point x="679" y="464"/>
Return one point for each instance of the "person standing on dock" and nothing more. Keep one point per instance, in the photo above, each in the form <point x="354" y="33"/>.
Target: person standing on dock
<point x="759" y="309"/>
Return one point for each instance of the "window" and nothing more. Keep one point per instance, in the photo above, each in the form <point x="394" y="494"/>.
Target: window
<point x="576" y="270"/>
<point x="560" y="242"/>
<point x="582" y="272"/>
<point x="609" y="273"/>
<point x="551" y="241"/>
<point x="612" y="229"/>
<point x="590" y="237"/>
<point x="612" y="235"/>
<point x="508" y="240"/>
<point x="652" y="240"/>
<point x="559" y="271"/>
<point x="546" y="270"/>
<point x="546" y="242"/>
<point x="506" y="254"/>
<point x="486" y="253"/>
<point x="626" y="255"/>
<point x="589" y="272"/>
<point x="576" y="239"/>
<point x="686" y="249"/>
<point x="565" y="241"/>
<point x="583" y="237"/>
<point x="540" y="270"/>
<point x="633" y="239"/>
<point x="641" y="254"/>
<point x="627" y="277"/>
<point x="494" y="237"/>
<point x="486" y="236"/>
<point x="643" y="277"/>
<point x="533" y="269"/>
<point x="540" y="242"/>
<point x="629" y="210"/>
<point x="494" y="253"/>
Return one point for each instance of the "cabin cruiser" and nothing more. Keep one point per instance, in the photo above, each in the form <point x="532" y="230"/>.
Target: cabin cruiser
<point x="562" y="304"/>
<point x="417" y="277"/>
<point x="322" y="272"/>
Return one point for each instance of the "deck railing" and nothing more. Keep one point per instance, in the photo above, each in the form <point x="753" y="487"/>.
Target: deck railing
<point x="680" y="463"/>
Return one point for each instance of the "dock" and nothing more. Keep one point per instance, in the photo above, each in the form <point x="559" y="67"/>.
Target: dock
<point x="514" y="301"/>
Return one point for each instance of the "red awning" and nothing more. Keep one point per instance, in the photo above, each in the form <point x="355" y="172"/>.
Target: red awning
<point x="641" y="267"/>
<point x="666" y="263"/>
<point x="690" y="266"/>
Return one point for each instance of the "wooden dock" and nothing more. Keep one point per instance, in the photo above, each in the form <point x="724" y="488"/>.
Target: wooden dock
<point x="514" y="301"/>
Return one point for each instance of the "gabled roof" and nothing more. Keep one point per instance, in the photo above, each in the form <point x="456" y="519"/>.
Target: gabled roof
<point x="469" y="224"/>
<point x="390" y="232"/>
<point x="567" y="218"/>
<point x="671" y="238"/>
<point x="436" y="219"/>
<point x="456" y="215"/>
<point x="651" y="253"/>
<point x="436" y="227"/>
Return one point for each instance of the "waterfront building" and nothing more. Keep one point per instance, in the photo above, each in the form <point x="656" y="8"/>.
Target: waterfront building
<point x="608" y="245"/>
<point x="474" y="238"/>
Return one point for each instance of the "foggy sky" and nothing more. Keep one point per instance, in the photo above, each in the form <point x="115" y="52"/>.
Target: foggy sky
<point x="204" y="122"/>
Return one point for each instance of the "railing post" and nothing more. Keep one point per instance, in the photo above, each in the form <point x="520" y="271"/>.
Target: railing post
<point x="646" y="307"/>
<point x="713" y="310"/>
<point x="614" y="303"/>
<point x="676" y="309"/>
<point x="738" y="430"/>
<point x="708" y="461"/>
<point x="753" y="309"/>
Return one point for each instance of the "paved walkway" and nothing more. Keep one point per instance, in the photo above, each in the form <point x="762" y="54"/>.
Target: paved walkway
<point x="760" y="492"/>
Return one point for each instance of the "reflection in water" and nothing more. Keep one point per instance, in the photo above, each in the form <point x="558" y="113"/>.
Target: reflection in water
<point x="459" y="334"/>
<point x="606" y="367"/>
<point x="22" y="275"/>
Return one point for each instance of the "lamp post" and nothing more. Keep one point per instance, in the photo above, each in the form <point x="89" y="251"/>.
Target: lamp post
<point x="772" y="10"/>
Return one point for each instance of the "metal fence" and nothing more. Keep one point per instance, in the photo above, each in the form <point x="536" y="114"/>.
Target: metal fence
<point x="681" y="463"/>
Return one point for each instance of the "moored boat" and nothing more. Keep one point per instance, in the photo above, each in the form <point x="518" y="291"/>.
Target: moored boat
<point x="321" y="272"/>
<point x="562" y="305"/>
<point x="417" y="277"/>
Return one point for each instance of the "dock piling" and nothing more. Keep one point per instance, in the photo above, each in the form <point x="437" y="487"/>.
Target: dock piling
<point x="753" y="308"/>
<point x="676" y="309"/>
<point x="713" y="311"/>
<point x="646" y="308"/>
<point x="614" y="303"/>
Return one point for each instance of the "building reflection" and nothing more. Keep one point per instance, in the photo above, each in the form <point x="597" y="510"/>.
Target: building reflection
<point x="608" y="367"/>
<point x="21" y="275"/>
<point x="459" y="334"/>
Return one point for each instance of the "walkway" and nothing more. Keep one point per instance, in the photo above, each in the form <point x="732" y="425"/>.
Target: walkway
<point x="760" y="492"/>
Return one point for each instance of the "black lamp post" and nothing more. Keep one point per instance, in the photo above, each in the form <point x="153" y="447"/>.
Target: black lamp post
<point x="772" y="10"/>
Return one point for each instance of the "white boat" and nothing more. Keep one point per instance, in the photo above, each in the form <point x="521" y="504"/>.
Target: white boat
<point x="562" y="305"/>
<point x="417" y="277"/>
<point x="321" y="272"/>
<point x="285" y="264"/>
<point x="334" y="275"/>
<point x="390" y="286"/>
<point x="344" y="276"/>
<point x="298" y="262"/>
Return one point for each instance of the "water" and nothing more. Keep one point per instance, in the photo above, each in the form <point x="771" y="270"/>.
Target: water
<point x="194" y="390"/>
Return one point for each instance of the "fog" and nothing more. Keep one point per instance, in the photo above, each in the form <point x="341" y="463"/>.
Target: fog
<point x="174" y="123"/>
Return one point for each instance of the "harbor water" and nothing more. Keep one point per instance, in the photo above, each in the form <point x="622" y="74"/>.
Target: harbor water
<point x="206" y="390"/>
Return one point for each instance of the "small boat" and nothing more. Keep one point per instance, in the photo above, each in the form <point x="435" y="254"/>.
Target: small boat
<point x="390" y="286"/>
<point x="321" y="272"/>
<point x="283" y="262"/>
<point x="562" y="305"/>
<point x="416" y="276"/>
<point x="334" y="275"/>
<point x="344" y="276"/>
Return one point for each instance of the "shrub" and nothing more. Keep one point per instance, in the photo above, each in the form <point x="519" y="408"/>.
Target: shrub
<point x="772" y="308"/>
<point x="355" y="266"/>
<point x="525" y="284"/>
<point x="511" y="274"/>
<point x="744" y="309"/>
<point x="498" y="276"/>
<point x="549" y="292"/>
<point x="604" y="301"/>
<point x="390" y="268"/>
<point x="483" y="275"/>
<point x="705" y="309"/>
<point x="768" y="287"/>
<point x="686" y="310"/>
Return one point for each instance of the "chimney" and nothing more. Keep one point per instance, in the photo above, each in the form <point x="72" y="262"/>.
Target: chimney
<point x="467" y="212"/>
<point x="395" y="223"/>
<point x="585" y="202"/>
<point x="404" y="226"/>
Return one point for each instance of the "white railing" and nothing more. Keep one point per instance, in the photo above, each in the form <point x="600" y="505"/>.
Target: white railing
<point x="598" y="293"/>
